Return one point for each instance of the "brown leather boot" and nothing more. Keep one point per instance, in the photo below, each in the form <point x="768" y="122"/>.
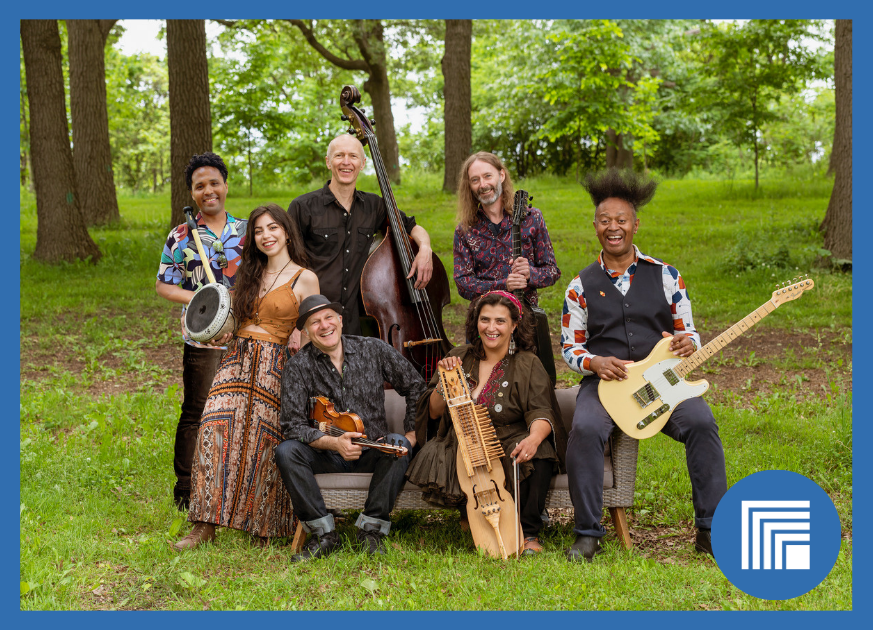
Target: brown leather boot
<point x="202" y="533"/>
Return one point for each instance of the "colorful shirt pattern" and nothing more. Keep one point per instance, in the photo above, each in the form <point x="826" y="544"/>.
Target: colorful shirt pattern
<point x="574" y="321"/>
<point x="483" y="256"/>
<point x="181" y="264"/>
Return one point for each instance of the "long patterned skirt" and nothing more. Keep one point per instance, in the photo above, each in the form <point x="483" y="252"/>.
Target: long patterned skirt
<point x="234" y="479"/>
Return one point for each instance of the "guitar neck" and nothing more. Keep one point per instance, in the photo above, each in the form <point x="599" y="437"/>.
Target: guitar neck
<point x="515" y="231"/>
<point x="698" y="358"/>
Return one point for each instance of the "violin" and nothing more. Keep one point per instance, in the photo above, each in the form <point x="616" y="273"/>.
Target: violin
<point x="324" y="417"/>
<point x="494" y="521"/>
<point x="409" y="319"/>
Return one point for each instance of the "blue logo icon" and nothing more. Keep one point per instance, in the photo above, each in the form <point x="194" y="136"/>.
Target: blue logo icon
<point x="776" y="534"/>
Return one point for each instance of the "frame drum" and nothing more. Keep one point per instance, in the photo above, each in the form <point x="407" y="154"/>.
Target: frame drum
<point x="210" y="313"/>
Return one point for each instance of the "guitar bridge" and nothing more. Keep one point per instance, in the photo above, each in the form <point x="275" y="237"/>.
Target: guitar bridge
<point x="649" y="419"/>
<point x="646" y="395"/>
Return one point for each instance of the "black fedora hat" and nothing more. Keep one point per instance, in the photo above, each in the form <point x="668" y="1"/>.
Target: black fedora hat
<point x="312" y="304"/>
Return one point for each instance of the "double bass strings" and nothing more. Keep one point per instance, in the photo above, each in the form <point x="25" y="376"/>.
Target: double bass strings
<point x="422" y="303"/>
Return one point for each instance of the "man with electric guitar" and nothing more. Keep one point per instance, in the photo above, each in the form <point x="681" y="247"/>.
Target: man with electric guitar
<point x="502" y="244"/>
<point x="347" y="372"/>
<point x="615" y="312"/>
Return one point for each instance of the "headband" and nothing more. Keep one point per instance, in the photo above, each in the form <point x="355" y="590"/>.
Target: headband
<point x="511" y="298"/>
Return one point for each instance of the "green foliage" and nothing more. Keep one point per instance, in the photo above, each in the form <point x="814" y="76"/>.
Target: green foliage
<point x="751" y="66"/>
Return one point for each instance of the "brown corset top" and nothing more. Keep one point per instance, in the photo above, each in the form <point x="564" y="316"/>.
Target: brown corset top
<point x="278" y="313"/>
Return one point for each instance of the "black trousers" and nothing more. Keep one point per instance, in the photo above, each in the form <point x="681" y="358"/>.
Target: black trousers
<point x="198" y="369"/>
<point x="691" y="423"/>
<point x="532" y="497"/>
<point x="298" y="464"/>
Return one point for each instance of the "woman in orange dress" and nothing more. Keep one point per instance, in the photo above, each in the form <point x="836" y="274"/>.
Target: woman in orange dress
<point x="234" y="479"/>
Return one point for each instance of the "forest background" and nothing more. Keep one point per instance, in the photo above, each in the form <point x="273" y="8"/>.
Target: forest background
<point x="746" y="124"/>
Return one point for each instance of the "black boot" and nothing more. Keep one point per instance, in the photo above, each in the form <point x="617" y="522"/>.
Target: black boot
<point x="703" y="542"/>
<point x="584" y="549"/>
<point x="373" y="542"/>
<point x="318" y="547"/>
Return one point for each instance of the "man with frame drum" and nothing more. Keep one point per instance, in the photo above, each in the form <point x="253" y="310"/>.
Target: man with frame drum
<point x="180" y="274"/>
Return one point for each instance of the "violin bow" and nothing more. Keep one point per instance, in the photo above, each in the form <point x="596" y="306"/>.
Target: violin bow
<point x="517" y="505"/>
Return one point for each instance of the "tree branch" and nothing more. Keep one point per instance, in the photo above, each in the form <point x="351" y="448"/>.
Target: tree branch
<point x="345" y="64"/>
<point x="227" y="23"/>
<point x="105" y="27"/>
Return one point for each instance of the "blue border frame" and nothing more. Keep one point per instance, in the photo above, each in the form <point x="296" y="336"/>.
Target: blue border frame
<point x="514" y="9"/>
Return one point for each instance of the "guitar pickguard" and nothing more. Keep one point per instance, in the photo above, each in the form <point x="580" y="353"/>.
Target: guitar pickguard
<point x="671" y="389"/>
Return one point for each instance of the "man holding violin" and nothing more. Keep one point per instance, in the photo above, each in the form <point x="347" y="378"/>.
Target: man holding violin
<point x="338" y="224"/>
<point x="349" y="371"/>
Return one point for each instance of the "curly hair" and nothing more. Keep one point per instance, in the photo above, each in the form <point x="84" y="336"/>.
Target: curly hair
<point x="254" y="261"/>
<point x="468" y="205"/>
<point x="204" y="159"/>
<point x="525" y="333"/>
<point x="627" y="185"/>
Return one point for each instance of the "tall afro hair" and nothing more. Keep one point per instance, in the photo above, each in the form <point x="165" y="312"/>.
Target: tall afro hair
<point x="627" y="185"/>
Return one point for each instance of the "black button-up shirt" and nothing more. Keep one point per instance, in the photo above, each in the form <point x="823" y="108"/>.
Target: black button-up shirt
<point x="338" y="243"/>
<point x="367" y="364"/>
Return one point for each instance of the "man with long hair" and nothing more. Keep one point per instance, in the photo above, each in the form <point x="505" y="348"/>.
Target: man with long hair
<point x="180" y="274"/>
<point x="615" y="311"/>
<point x="483" y="241"/>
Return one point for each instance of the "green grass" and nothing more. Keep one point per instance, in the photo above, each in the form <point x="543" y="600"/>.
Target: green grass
<point x="97" y="521"/>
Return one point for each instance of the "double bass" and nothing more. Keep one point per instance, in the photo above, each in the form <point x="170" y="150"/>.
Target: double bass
<point x="409" y="319"/>
<point x="494" y="521"/>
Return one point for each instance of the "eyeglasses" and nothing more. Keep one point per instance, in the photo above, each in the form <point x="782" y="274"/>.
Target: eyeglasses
<point x="219" y="249"/>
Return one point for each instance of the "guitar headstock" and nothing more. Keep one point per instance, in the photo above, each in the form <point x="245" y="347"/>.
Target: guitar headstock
<point x="520" y="206"/>
<point x="454" y="382"/>
<point x="787" y="292"/>
<point x="361" y="126"/>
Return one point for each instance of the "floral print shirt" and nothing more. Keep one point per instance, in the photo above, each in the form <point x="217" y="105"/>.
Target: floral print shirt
<point x="483" y="256"/>
<point x="181" y="264"/>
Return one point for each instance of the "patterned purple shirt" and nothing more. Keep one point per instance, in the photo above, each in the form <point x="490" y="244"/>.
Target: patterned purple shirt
<point x="483" y="256"/>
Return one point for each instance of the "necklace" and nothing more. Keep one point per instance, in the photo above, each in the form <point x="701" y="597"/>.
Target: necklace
<point x="261" y="301"/>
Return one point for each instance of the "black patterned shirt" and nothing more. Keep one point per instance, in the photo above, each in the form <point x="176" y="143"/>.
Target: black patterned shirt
<point x="367" y="363"/>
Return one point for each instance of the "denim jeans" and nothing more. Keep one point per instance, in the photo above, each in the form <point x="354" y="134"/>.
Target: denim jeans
<point x="198" y="369"/>
<point x="691" y="423"/>
<point x="299" y="463"/>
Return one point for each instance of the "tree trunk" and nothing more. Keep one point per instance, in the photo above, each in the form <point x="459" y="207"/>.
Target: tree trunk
<point x="61" y="234"/>
<point x="837" y="224"/>
<point x="458" y="101"/>
<point x="616" y="153"/>
<point x="91" y="154"/>
<point x="190" y="119"/>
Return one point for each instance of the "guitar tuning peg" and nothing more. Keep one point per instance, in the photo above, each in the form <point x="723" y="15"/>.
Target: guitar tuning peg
<point x="373" y="121"/>
<point x="344" y="117"/>
<point x="350" y="131"/>
<point x="362" y="109"/>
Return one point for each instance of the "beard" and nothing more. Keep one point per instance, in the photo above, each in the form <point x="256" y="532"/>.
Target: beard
<point x="489" y="198"/>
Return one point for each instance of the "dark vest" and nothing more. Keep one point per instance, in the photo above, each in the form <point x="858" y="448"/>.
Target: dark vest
<point x="625" y="326"/>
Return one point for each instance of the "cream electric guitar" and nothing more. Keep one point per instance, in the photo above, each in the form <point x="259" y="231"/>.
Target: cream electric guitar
<point x="642" y="403"/>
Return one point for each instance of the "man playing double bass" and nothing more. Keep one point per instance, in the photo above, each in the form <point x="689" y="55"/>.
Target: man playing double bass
<point x="483" y="240"/>
<point x="338" y="224"/>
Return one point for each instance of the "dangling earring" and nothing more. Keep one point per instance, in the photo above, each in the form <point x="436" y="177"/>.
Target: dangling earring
<point x="512" y="345"/>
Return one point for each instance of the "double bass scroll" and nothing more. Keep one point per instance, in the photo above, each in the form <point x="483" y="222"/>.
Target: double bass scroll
<point x="409" y="319"/>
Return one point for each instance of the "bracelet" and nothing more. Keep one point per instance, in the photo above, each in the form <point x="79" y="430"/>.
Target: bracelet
<point x="439" y="389"/>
